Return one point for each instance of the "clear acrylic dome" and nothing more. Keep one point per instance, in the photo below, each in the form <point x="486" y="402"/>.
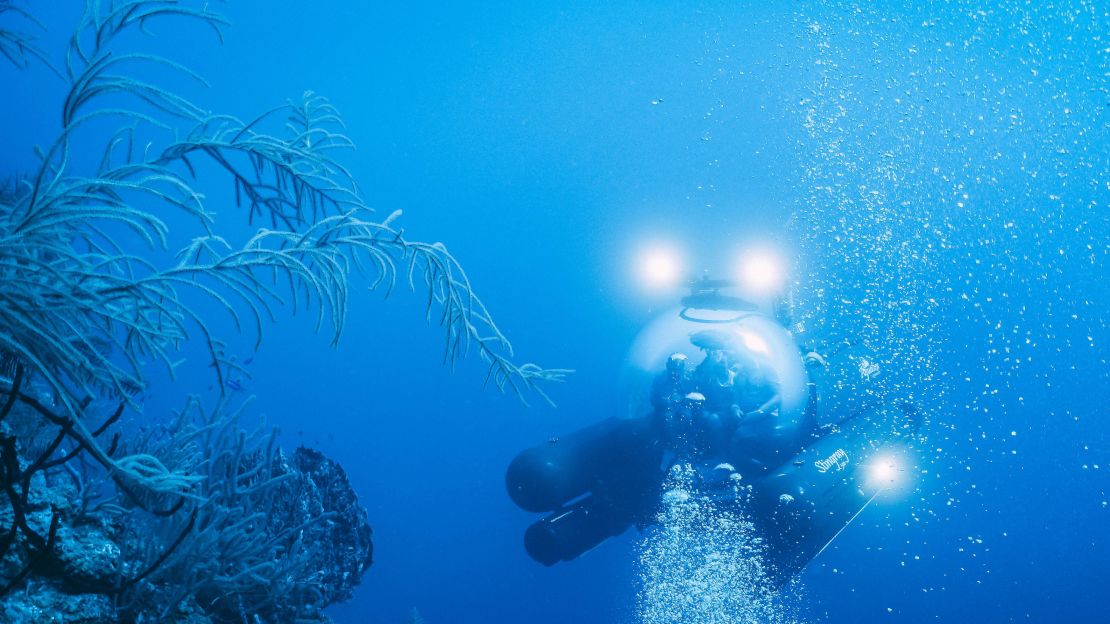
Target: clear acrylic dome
<point x="753" y="357"/>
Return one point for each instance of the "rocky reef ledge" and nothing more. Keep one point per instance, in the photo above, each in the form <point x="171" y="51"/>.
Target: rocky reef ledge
<point x="314" y="517"/>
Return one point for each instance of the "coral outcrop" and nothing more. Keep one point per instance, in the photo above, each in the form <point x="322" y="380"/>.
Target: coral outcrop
<point x="109" y="513"/>
<point x="80" y="580"/>
<point x="343" y="542"/>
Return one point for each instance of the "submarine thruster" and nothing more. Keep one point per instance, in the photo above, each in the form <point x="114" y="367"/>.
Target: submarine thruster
<point x="718" y="379"/>
<point x="594" y="483"/>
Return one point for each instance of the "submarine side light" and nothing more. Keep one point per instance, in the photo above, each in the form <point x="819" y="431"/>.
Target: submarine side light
<point x="885" y="474"/>
<point x="889" y="472"/>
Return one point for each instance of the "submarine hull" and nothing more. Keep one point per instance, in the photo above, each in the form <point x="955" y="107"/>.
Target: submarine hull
<point x="804" y="504"/>
<point x="601" y="480"/>
<point x="612" y="455"/>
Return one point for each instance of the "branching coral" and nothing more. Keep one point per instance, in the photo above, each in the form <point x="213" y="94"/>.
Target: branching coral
<point x="84" y="312"/>
<point x="230" y="548"/>
<point x="16" y="44"/>
<point x="86" y="315"/>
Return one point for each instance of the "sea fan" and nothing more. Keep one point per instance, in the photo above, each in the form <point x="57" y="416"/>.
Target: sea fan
<point x="86" y="305"/>
<point x="86" y="315"/>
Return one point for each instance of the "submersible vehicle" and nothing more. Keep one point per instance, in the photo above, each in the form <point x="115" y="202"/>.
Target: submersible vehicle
<point x="721" y="383"/>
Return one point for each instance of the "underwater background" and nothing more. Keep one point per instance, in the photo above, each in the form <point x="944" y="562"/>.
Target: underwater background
<point x="937" y="176"/>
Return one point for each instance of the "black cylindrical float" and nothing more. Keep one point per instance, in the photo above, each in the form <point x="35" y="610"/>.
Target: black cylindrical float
<point x="571" y="532"/>
<point x="605" y="456"/>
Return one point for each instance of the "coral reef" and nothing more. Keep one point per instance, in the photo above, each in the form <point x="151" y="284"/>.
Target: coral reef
<point x="93" y="572"/>
<point x="321" y="487"/>
<point x="270" y="535"/>
<point x="191" y="518"/>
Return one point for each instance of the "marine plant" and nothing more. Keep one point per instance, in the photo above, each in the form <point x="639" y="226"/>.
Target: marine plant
<point x="94" y="296"/>
<point x="254" y="538"/>
<point x="17" y="45"/>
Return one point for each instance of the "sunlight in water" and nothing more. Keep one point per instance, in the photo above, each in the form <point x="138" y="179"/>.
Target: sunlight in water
<point x="701" y="563"/>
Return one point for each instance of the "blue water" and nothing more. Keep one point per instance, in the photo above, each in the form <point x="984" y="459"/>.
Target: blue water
<point x="937" y="177"/>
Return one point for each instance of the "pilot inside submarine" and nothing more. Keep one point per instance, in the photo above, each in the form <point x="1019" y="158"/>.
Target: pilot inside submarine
<point x="721" y="383"/>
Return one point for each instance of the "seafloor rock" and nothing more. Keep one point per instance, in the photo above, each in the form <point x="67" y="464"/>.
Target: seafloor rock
<point x="82" y="557"/>
<point x="315" y="508"/>
<point x="344" y="544"/>
<point x="315" y="519"/>
<point x="86" y="559"/>
<point x="44" y="603"/>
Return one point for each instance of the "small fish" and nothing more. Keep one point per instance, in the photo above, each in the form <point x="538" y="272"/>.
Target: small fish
<point x="248" y="360"/>
<point x="553" y="440"/>
<point x="234" y="384"/>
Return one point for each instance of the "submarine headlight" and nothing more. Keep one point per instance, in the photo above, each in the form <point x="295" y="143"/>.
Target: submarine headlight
<point x="660" y="267"/>
<point x="761" y="272"/>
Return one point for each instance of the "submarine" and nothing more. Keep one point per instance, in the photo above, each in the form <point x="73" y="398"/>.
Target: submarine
<point x="720" y="381"/>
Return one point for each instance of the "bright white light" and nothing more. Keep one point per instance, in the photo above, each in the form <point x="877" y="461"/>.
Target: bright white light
<point x="659" y="268"/>
<point x="883" y="470"/>
<point x="887" y="472"/>
<point x="761" y="272"/>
